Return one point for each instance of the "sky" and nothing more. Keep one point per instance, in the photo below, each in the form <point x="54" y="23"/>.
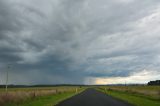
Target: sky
<point x="79" y="41"/>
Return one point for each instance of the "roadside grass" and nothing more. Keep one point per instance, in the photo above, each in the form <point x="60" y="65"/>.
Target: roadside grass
<point x="50" y="100"/>
<point x="37" y="96"/>
<point x="135" y="99"/>
<point x="37" y="88"/>
<point x="151" y="92"/>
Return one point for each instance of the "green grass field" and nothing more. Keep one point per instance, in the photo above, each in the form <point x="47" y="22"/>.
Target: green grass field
<point x="50" y="100"/>
<point x="42" y="96"/>
<point x="136" y="95"/>
<point x="49" y="96"/>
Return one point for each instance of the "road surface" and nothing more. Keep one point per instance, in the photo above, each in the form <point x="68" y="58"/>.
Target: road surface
<point x="91" y="97"/>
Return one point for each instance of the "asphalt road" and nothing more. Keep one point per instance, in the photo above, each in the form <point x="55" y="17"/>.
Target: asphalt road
<point x="91" y="97"/>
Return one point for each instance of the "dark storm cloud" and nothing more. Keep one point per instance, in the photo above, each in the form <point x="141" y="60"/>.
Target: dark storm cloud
<point x="70" y="41"/>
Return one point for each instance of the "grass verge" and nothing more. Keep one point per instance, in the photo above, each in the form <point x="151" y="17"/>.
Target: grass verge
<point x="136" y="100"/>
<point x="49" y="100"/>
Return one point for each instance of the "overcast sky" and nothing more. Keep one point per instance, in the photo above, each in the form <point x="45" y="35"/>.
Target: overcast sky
<point x="79" y="41"/>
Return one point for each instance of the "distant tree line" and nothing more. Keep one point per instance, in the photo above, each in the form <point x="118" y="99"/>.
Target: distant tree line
<point x="157" y="82"/>
<point x="28" y="86"/>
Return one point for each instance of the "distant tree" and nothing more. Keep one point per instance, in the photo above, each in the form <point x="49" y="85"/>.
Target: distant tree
<point x="157" y="82"/>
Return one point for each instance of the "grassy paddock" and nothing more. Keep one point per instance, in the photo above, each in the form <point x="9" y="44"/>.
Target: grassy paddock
<point x="36" y="96"/>
<point x="136" y="95"/>
<point x="152" y="92"/>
